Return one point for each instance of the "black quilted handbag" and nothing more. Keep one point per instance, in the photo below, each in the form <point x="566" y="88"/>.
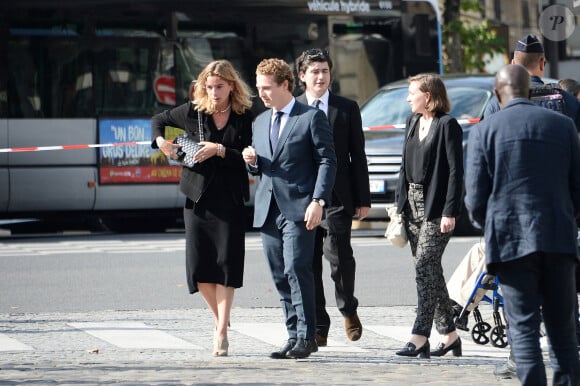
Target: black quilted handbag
<point x="188" y="146"/>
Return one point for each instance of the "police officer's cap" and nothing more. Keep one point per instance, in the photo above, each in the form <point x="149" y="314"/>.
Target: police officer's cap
<point x="529" y="43"/>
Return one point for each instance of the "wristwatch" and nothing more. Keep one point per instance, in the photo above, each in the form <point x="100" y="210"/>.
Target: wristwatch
<point x="319" y="201"/>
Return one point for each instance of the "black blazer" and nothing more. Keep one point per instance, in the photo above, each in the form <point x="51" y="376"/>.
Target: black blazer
<point x="351" y="186"/>
<point x="443" y="184"/>
<point x="237" y="136"/>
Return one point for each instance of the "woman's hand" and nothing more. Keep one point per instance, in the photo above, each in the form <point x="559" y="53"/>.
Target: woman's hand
<point x="168" y="148"/>
<point x="208" y="150"/>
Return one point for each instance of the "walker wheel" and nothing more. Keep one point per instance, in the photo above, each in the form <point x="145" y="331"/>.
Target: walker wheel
<point x="498" y="337"/>
<point x="478" y="333"/>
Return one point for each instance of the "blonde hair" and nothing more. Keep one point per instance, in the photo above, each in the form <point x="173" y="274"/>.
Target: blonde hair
<point x="279" y="69"/>
<point x="240" y="97"/>
<point x="432" y="83"/>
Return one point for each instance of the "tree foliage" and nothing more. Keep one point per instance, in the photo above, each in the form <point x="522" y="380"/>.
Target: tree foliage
<point x="471" y="42"/>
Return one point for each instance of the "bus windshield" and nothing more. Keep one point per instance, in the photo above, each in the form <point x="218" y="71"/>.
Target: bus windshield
<point x="95" y="73"/>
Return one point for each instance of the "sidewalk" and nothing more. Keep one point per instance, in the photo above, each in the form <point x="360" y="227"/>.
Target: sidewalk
<point x="55" y="349"/>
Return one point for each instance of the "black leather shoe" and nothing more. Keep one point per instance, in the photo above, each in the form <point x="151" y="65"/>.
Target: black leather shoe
<point x="441" y="350"/>
<point x="281" y="354"/>
<point x="410" y="350"/>
<point x="302" y="349"/>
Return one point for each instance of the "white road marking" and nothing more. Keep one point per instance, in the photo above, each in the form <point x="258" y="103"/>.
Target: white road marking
<point x="469" y="347"/>
<point x="138" y="335"/>
<point x="9" y="344"/>
<point x="133" y="335"/>
<point x="253" y="243"/>
<point x="275" y="334"/>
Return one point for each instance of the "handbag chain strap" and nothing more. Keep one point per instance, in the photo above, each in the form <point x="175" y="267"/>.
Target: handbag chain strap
<point x="200" y="126"/>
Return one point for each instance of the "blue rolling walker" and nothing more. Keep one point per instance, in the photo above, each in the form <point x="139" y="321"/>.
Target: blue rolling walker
<point x="497" y="334"/>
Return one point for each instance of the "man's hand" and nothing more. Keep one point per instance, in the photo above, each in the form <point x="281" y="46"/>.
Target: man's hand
<point x="447" y="224"/>
<point x="313" y="215"/>
<point x="249" y="155"/>
<point x="362" y="211"/>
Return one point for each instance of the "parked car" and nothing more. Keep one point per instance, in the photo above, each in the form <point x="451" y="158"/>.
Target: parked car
<point x="384" y="115"/>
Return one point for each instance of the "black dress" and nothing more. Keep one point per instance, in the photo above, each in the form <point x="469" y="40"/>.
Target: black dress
<point x="215" y="226"/>
<point x="214" y="213"/>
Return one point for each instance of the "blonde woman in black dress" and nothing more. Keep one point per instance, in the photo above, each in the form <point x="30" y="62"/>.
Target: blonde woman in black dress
<point x="216" y="187"/>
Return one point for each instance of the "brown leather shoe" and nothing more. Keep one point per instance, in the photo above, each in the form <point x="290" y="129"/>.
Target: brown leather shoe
<point x="321" y="341"/>
<point x="353" y="327"/>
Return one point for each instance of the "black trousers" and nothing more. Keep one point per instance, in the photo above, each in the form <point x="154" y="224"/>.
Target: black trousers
<point x="333" y="241"/>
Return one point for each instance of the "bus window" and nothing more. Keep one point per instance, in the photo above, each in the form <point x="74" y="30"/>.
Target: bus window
<point x="23" y="80"/>
<point x="198" y="49"/>
<point x="126" y="72"/>
<point x="84" y="73"/>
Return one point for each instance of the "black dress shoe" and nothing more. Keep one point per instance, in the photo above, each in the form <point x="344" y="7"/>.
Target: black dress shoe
<point x="410" y="350"/>
<point x="281" y="354"/>
<point x="441" y="350"/>
<point x="302" y="349"/>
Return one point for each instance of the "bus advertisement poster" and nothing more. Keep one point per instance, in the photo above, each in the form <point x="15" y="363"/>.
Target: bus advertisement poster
<point x="132" y="164"/>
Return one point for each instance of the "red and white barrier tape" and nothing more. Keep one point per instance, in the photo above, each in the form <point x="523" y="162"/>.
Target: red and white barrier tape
<point x="402" y="125"/>
<point x="97" y="145"/>
<point x="71" y="147"/>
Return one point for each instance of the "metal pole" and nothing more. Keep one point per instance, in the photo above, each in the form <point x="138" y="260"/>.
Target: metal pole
<point x="553" y="51"/>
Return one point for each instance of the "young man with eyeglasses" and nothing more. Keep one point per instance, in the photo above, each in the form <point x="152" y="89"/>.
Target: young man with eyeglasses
<point x="350" y="195"/>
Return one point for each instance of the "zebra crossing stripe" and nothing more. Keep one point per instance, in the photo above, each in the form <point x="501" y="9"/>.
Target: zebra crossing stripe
<point x="138" y="335"/>
<point x="469" y="347"/>
<point x="275" y="334"/>
<point x="133" y="335"/>
<point x="9" y="344"/>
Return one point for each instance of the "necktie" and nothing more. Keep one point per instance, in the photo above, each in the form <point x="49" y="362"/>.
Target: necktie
<point x="316" y="103"/>
<point x="275" y="130"/>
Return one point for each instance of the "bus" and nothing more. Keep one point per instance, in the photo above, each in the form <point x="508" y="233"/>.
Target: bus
<point x="75" y="73"/>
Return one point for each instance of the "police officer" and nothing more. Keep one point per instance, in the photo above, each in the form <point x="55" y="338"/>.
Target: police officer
<point x="529" y="53"/>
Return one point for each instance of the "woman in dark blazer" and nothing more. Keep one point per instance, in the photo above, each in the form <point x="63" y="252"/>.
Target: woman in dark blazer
<point x="429" y="196"/>
<point x="215" y="187"/>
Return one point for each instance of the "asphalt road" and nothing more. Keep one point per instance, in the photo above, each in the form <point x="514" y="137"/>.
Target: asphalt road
<point x="91" y="272"/>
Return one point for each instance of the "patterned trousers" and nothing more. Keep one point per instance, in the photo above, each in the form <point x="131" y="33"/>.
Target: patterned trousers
<point x="427" y="247"/>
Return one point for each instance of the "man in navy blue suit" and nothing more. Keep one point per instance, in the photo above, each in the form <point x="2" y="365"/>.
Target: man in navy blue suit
<point x="293" y="153"/>
<point x="523" y="183"/>
<point x="529" y="52"/>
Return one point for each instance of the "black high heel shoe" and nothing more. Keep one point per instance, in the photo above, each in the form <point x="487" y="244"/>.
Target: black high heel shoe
<point x="410" y="350"/>
<point x="442" y="350"/>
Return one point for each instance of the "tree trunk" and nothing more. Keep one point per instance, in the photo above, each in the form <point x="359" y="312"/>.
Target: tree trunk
<point x="452" y="43"/>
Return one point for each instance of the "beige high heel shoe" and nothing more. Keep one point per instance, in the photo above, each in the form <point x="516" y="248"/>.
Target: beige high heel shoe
<point x="215" y="342"/>
<point x="221" y="347"/>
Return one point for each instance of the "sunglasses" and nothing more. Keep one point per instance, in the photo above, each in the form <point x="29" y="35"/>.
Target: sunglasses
<point x="316" y="52"/>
